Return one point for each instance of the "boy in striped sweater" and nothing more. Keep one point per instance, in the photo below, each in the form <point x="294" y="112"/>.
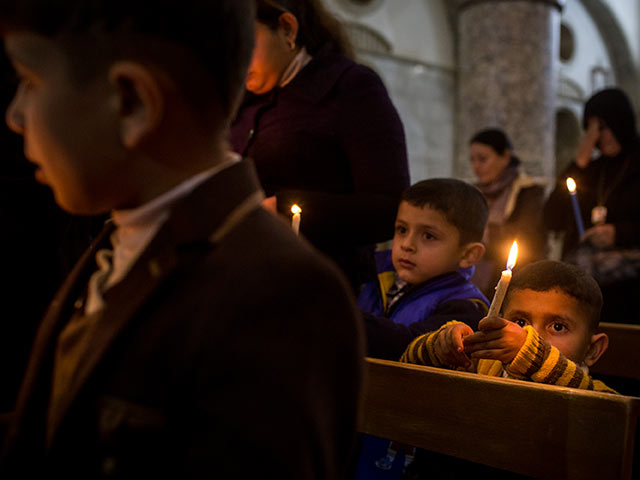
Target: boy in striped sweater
<point x="547" y="332"/>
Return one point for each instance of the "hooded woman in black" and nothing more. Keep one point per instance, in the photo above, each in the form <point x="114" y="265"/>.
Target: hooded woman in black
<point x="607" y="190"/>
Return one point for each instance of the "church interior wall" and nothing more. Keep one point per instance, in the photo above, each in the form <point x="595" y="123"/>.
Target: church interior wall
<point x="418" y="65"/>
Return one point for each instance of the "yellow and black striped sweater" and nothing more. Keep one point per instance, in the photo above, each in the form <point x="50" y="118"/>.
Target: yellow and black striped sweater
<point x="537" y="361"/>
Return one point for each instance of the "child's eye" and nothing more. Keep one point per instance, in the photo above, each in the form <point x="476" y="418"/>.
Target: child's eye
<point x="428" y="236"/>
<point x="401" y="229"/>
<point x="520" y="322"/>
<point x="22" y="78"/>
<point x="559" y="327"/>
<point x="24" y="83"/>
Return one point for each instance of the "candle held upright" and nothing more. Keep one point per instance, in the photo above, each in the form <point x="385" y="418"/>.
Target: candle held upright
<point x="571" y="186"/>
<point x="503" y="283"/>
<point x="295" y="220"/>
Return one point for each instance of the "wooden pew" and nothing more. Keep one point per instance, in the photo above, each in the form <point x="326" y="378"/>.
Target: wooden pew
<point x="622" y="358"/>
<point x="537" y="430"/>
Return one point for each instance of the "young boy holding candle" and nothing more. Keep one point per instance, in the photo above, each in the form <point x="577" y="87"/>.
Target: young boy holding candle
<point x="424" y="280"/>
<point x="151" y="360"/>
<point x="547" y="332"/>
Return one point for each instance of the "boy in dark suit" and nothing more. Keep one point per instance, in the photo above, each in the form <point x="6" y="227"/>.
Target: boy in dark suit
<point x="195" y="330"/>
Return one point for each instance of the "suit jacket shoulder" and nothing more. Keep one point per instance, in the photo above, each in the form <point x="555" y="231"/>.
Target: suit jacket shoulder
<point x="210" y="342"/>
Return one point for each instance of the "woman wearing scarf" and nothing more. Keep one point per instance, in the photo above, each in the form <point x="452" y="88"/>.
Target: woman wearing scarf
<point x="323" y="134"/>
<point x="607" y="174"/>
<point x="515" y="205"/>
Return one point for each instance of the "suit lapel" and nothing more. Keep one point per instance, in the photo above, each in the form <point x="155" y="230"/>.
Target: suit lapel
<point x="62" y="304"/>
<point x="121" y="303"/>
<point x="34" y="391"/>
<point x="226" y="198"/>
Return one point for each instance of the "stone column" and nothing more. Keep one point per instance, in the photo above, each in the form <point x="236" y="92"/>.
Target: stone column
<point x="507" y="77"/>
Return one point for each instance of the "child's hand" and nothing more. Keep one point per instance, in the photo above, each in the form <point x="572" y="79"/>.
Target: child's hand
<point x="497" y="339"/>
<point x="449" y="348"/>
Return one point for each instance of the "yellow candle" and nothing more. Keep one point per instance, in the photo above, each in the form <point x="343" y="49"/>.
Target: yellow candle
<point x="503" y="283"/>
<point x="295" y="220"/>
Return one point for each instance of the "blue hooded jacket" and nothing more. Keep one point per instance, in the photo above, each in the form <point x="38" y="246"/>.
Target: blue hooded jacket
<point x="419" y="303"/>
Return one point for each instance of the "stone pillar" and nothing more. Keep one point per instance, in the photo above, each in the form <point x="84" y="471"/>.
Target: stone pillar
<point x="507" y="78"/>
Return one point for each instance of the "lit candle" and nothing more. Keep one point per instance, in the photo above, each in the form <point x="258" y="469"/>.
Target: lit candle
<point x="295" y="220"/>
<point x="571" y="186"/>
<point x="503" y="284"/>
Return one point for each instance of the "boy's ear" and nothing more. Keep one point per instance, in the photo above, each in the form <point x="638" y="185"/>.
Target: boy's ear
<point x="599" y="345"/>
<point x="140" y="101"/>
<point x="471" y="254"/>
<point x="288" y="24"/>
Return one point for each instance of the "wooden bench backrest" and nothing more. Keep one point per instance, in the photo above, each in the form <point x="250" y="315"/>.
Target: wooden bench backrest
<point x="622" y="358"/>
<point x="537" y="430"/>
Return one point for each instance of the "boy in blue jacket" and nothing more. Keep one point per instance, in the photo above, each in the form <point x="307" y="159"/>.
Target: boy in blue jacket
<point x="424" y="280"/>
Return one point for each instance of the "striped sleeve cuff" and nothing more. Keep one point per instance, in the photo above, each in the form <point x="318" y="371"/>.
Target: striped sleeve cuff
<point x="530" y="358"/>
<point x="421" y="350"/>
<point x="541" y="362"/>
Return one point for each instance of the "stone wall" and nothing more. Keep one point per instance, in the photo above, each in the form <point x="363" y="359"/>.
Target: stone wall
<point x="424" y="96"/>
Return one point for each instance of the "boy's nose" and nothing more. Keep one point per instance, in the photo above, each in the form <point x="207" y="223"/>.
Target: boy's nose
<point x="14" y="117"/>
<point x="407" y="244"/>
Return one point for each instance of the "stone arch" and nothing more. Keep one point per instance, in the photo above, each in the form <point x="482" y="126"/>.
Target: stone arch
<point x="617" y="46"/>
<point x="367" y="39"/>
<point x="568" y="134"/>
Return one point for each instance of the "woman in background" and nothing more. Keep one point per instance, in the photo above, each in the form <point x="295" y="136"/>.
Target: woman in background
<point x="515" y="207"/>
<point x="607" y="174"/>
<point x="323" y="134"/>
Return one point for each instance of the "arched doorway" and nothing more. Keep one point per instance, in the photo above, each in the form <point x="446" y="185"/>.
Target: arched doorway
<point x="568" y="134"/>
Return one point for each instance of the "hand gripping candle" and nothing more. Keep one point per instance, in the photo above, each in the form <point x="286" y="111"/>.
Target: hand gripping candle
<point x="571" y="186"/>
<point x="503" y="284"/>
<point x="295" y="220"/>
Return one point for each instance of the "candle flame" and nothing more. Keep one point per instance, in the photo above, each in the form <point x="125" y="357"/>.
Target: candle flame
<point x="513" y="256"/>
<point x="571" y="184"/>
<point x="295" y="209"/>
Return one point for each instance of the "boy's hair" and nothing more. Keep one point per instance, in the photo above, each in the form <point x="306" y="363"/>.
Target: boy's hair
<point x="546" y="275"/>
<point x="204" y="45"/>
<point x="462" y="204"/>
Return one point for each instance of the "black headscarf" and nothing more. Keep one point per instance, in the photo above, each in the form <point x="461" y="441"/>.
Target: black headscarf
<point x="614" y="107"/>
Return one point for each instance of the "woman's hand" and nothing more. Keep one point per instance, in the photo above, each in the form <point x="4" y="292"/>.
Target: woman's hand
<point x="588" y="142"/>
<point x="497" y="339"/>
<point x="601" y="236"/>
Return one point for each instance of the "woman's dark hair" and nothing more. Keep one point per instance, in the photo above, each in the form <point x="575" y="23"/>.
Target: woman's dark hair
<point x="494" y="138"/>
<point x="498" y="140"/>
<point x="317" y="27"/>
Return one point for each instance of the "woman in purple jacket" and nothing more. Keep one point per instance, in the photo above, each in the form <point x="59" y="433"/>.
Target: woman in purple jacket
<point x="323" y="134"/>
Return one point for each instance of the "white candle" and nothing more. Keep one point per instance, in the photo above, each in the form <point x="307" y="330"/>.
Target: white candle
<point x="295" y="220"/>
<point x="503" y="284"/>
